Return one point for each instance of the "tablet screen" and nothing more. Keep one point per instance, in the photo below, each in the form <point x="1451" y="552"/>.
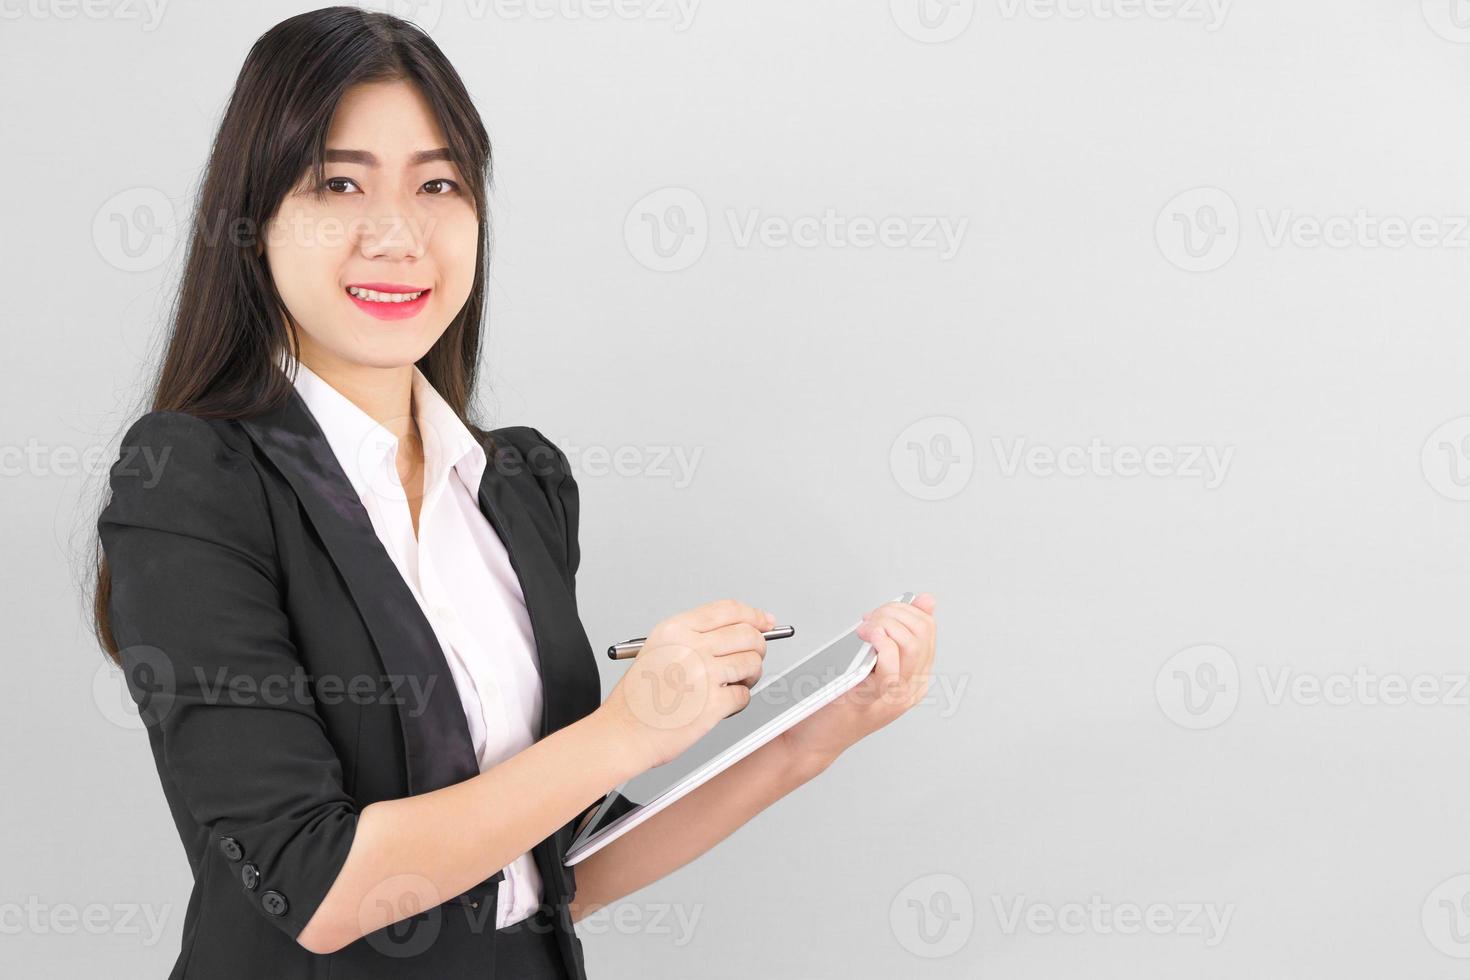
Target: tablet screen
<point x="771" y="697"/>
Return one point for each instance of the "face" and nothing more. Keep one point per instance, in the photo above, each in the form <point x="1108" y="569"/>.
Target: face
<point x="375" y="266"/>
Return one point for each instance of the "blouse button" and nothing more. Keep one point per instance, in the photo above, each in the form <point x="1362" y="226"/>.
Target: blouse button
<point x="231" y="848"/>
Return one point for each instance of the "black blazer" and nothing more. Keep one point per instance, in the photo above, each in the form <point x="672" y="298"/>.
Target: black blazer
<point x="288" y="679"/>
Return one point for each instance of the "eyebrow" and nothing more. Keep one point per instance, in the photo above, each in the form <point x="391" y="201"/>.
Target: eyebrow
<point x="369" y="160"/>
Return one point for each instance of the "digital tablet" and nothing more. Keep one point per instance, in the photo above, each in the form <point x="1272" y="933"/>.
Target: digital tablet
<point x="776" y="704"/>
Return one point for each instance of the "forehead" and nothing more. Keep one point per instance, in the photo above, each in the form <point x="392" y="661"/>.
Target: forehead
<point x="389" y="118"/>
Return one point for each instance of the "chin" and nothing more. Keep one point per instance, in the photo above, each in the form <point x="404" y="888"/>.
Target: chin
<point x="396" y="354"/>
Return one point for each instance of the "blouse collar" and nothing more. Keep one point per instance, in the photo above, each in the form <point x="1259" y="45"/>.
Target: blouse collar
<point x="365" y="448"/>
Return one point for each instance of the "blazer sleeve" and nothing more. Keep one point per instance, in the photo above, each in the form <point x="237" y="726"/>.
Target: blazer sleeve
<point x="206" y="646"/>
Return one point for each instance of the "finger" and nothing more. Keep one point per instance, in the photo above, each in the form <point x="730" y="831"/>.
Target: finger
<point x="734" y="698"/>
<point x="916" y="619"/>
<point x="733" y="639"/>
<point x="724" y="612"/>
<point x="739" y="668"/>
<point x="923" y="602"/>
<point x="931" y="649"/>
<point x="887" y="673"/>
<point x="914" y="631"/>
<point x="888" y="656"/>
<point x="911" y="654"/>
<point x="909" y="644"/>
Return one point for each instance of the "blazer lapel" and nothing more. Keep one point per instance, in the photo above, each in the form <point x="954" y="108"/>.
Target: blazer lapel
<point x="561" y="644"/>
<point x="436" y="737"/>
<point x="570" y="684"/>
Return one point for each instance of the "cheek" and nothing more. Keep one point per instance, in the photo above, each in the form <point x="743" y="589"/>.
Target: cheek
<point x="304" y="264"/>
<point x="454" y="249"/>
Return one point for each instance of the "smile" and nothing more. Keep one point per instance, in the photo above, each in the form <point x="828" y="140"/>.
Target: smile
<point x="388" y="301"/>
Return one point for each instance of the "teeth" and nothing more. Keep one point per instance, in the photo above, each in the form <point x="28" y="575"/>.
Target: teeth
<point x="373" y="296"/>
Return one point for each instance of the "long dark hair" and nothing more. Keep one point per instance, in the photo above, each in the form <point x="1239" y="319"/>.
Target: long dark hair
<point x="229" y="323"/>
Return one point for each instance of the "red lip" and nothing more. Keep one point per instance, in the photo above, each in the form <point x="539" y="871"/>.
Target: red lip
<point x="388" y="287"/>
<point x="389" y="311"/>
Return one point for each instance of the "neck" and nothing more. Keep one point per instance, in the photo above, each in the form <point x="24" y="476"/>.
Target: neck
<point x="386" y="394"/>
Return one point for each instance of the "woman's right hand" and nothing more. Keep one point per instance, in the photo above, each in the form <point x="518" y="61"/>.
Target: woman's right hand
<point x="695" y="668"/>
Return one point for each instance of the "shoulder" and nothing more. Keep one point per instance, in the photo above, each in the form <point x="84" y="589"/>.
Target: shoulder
<point x="523" y="453"/>
<point x="520" y="449"/>
<point x="187" y="436"/>
<point x="178" y="472"/>
<point x="180" y="452"/>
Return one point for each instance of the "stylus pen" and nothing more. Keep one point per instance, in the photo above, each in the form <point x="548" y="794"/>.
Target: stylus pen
<point x="629" y="648"/>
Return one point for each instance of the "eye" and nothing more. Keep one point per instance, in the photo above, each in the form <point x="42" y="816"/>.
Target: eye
<point x="336" y="185"/>
<point x="440" y="186"/>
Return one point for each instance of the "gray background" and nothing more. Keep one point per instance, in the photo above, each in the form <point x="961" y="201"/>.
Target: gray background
<point x="1108" y="724"/>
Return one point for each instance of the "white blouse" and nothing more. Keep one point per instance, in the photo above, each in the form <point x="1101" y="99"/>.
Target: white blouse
<point x="457" y="569"/>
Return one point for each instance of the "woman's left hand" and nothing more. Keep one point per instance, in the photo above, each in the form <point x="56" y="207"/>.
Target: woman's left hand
<point x="904" y="636"/>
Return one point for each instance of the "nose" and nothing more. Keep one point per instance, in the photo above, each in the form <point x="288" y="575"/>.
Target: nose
<point x="393" y="230"/>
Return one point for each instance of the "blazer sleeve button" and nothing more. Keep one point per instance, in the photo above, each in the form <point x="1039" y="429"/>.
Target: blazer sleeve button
<point x="250" y="875"/>
<point x="231" y="848"/>
<point x="274" y="903"/>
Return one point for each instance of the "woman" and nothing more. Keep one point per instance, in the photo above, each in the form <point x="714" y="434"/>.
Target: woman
<point x="347" y="615"/>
